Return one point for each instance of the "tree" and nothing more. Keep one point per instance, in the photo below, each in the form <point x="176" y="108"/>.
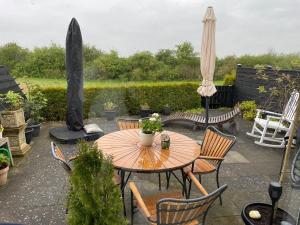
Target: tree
<point x="11" y="54"/>
<point x="167" y="56"/>
<point x="46" y="62"/>
<point x="93" y="198"/>
<point x="185" y="52"/>
<point x="90" y="53"/>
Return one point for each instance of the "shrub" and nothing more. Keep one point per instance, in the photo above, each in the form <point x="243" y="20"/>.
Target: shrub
<point x="93" y="198"/>
<point x="12" y="100"/>
<point x="229" y="79"/>
<point x="248" y="109"/>
<point x="195" y="110"/>
<point x="179" y="96"/>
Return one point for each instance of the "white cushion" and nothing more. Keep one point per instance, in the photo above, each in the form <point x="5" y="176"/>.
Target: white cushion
<point x="271" y="124"/>
<point x="92" y="128"/>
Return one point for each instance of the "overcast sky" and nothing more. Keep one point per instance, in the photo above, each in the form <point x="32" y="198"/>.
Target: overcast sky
<point x="243" y="26"/>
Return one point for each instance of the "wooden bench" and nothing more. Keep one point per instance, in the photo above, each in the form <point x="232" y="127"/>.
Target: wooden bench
<point x="199" y="120"/>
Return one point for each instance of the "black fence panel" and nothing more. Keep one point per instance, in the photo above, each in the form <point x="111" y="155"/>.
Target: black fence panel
<point x="247" y="84"/>
<point x="222" y="98"/>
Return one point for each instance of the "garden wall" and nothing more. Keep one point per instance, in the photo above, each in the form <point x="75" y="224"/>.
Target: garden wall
<point x="247" y="83"/>
<point x="128" y="97"/>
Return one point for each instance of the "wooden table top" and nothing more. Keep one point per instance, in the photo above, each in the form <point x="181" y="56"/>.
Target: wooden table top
<point x="128" y="154"/>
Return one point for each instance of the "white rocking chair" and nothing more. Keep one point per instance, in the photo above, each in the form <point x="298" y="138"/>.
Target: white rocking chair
<point x="267" y="129"/>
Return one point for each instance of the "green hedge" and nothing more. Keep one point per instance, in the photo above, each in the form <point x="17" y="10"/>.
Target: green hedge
<point x="128" y="97"/>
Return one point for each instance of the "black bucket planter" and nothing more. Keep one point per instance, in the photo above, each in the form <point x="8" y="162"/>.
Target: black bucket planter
<point x="145" y="112"/>
<point x="266" y="210"/>
<point x="167" y="111"/>
<point x="36" y="128"/>
<point x="29" y="134"/>
<point x="110" y="115"/>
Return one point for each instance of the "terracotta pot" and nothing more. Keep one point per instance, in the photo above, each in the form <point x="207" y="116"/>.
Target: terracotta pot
<point x="3" y="175"/>
<point x="147" y="139"/>
<point x="12" y="119"/>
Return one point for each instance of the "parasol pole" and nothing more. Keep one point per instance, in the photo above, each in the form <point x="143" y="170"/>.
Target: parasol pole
<point x="289" y="145"/>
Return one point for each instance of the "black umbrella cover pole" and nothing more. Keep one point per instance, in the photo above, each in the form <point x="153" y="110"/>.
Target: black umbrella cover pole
<point x="206" y="111"/>
<point x="74" y="118"/>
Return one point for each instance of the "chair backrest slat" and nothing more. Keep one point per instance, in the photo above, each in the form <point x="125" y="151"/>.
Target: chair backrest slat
<point x="215" y="143"/>
<point x="290" y="108"/>
<point x="125" y="124"/>
<point x="182" y="211"/>
<point x="58" y="155"/>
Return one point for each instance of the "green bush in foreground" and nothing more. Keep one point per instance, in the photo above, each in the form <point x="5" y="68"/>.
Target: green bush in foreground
<point x="179" y="96"/>
<point x="248" y="109"/>
<point x="93" y="197"/>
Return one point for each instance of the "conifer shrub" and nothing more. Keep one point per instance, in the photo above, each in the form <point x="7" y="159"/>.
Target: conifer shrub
<point x="93" y="198"/>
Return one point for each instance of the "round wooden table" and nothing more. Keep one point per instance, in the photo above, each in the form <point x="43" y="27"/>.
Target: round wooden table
<point x="129" y="155"/>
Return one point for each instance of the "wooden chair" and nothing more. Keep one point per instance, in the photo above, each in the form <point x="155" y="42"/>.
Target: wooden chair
<point x="58" y="155"/>
<point x="171" y="208"/>
<point x="125" y="124"/>
<point x="267" y="129"/>
<point x="214" y="148"/>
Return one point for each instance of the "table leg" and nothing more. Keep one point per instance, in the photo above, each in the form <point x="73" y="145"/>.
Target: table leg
<point x="122" y="190"/>
<point x="184" y="191"/>
<point x="122" y="186"/>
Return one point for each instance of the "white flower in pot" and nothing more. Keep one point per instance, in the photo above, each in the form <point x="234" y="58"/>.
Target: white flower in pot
<point x="148" y="128"/>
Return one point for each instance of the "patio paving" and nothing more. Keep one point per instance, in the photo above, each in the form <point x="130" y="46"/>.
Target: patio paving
<point x="37" y="185"/>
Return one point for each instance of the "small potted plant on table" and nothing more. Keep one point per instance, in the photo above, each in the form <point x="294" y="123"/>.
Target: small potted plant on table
<point x="110" y="110"/>
<point x="148" y="128"/>
<point x="4" y="167"/>
<point x="145" y="110"/>
<point x="13" y="116"/>
<point x="34" y="106"/>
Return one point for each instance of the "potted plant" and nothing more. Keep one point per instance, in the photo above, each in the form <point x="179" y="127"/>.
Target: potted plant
<point x="1" y="131"/>
<point x="145" y="110"/>
<point x="13" y="115"/>
<point x="148" y="128"/>
<point x="34" y="105"/>
<point x="110" y="110"/>
<point x="4" y="167"/>
<point x="167" y="109"/>
<point x="93" y="197"/>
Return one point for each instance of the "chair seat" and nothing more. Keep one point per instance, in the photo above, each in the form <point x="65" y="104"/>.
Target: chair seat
<point x="151" y="200"/>
<point x="201" y="166"/>
<point x="117" y="179"/>
<point x="271" y="124"/>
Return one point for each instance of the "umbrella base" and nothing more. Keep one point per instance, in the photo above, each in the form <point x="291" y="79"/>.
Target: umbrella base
<point x="65" y="136"/>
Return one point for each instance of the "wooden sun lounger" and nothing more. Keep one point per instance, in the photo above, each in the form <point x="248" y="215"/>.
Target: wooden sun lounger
<point x="199" y="120"/>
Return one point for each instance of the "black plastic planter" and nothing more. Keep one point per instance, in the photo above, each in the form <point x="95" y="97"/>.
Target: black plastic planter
<point x="145" y="113"/>
<point x="110" y="115"/>
<point x="266" y="210"/>
<point x="36" y="128"/>
<point x="29" y="134"/>
<point x="166" y="111"/>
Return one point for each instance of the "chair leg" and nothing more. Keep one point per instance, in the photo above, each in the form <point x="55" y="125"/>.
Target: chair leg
<point x="218" y="185"/>
<point x="200" y="178"/>
<point x="132" y="207"/>
<point x="190" y="187"/>
<point x="168" y="175"/>
<point x="159" y="182"/>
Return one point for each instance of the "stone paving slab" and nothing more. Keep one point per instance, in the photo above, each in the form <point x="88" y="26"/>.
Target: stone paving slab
<point x="37" y="185"/>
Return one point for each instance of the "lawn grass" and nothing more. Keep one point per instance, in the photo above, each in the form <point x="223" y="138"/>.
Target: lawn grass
<point x="44" y="83"/>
